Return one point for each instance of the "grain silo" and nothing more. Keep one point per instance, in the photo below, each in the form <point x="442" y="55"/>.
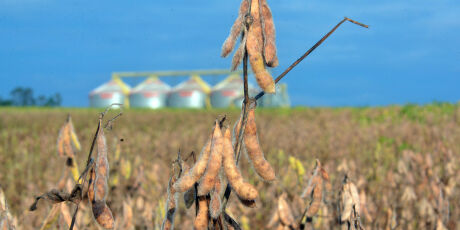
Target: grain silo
<point x="229" y="92"/>
<point x="152" y="93"/>
<point x="114" y="91"/>
<point x="280" y="99"/>
<point x="192" y="93"/>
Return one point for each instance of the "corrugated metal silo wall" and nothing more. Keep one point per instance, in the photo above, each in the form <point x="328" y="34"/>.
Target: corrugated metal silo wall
<point x="188" y="94"/>
<point x="153" y="100"/>
<point x="105" y="99"/>
<point x="190" y="98"/>
<point x="150" y="94"/>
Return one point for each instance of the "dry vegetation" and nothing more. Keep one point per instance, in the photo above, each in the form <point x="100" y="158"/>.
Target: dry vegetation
<point x="202" y="183"/>
<point x="403" y="162"/>
<point x="382" y="168"/>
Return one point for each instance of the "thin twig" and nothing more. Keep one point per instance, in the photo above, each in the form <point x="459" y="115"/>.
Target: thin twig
<point x="357" y="23"/>
<point x="111" y="120"/>
<point x="192" y="155"/>
<point x="310" y="51"/>
<point x="221" y="122"/>
<point x="74" y="217"/>
<point x="245" y="74"/>
<point x="92" y="147"/>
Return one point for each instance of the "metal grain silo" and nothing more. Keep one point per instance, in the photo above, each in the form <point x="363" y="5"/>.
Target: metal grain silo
<point x="192" y="93"/>
<point x="114" y="91"/>
<point x="280" y="99"/>
<point x="152" y="93"/>
<point x="229" y="92"/>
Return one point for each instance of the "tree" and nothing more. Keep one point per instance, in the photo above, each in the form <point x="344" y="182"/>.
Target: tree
<point x="22" y="97"/>
<point x="5" y="102"/>
<point x="25" y="97"/>
<point x="54" y="100"/>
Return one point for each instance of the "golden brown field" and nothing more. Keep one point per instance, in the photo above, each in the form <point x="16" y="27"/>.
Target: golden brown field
<point x="403" y="160"/>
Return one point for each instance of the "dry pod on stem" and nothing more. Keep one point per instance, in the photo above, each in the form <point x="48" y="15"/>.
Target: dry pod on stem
<point x="189" y="179"/>
<point x="67" y="142"/>
<point x="102" y="214"/>
<point x="98" y="185"/>
<point x="314" y="190"/>
<point x="101" y="168"/>
<point x="189" y="195"/>
<point x="282" y="215"/>
<point x="269" y="34"/>
<point x="285" y="213"/>
<point x="171" y="202"/>
<point x="202" y="218"/>
<point x="244" y="190"/>
<point x="254" y="46"/>
<point x="6" y="220"/>
<point x="236" y="29"/>
<point x="67" y="145"/>
<point x="251" y="141"/>
<point x="349" y="204"/>
<point x="255" y="24"/>
<point x="215" y="162"/>
<point x="215" y="206"/>
<point x="316" y="197"/>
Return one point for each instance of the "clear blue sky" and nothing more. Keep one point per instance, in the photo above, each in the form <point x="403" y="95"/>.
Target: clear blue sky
<point x="411" y="54"/>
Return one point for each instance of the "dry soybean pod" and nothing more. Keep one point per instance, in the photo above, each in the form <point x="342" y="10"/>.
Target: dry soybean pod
<point x="317" y="197"/>
<point x="349" y="198"/>
<point x="202" y="218"/>
<point x="73" y="136"/>
<point x="187" y="181"/>
<point x="171" y="204"/>
<point x="239" y="53"/>
<point x="66" y="141"/>
<point x="254" y="46"/>
<point x="103" y="214"/>
<point x="101" y="168"/>
<point x="215" y="206"/>
<point x="251" y="141"/>
<point x="236" y="129"/>
<point x="263" y="77"/>
<point x="99" y="176"/>
<point x="92" y="177"/>
<point x="60" y="140"/>
<point x="215" y="162"/>
<point x="346" y="204"/>
<point x="189" y="195"/>
<point x="269" y="34"/>
<point x="284" y="211"/>
<point x="311" y="182"/>
<point x="244" y="190"/>
<point x="236" y="30"/>
<point x="326" y="181"/>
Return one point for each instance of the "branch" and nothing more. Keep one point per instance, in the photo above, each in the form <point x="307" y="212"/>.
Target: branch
<point x="261" y="94"/>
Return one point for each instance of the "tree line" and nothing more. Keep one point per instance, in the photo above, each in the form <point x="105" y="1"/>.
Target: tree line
<point x="23" y="96"/>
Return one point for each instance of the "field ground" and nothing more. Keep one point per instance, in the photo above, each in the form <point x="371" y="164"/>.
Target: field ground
<point x="404" y="161"/>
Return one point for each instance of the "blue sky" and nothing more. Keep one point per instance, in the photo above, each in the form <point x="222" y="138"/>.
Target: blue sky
<point x="411" y="53"/>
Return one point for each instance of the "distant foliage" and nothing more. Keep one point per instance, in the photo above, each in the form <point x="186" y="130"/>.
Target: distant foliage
<point x="25" y="97"/>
